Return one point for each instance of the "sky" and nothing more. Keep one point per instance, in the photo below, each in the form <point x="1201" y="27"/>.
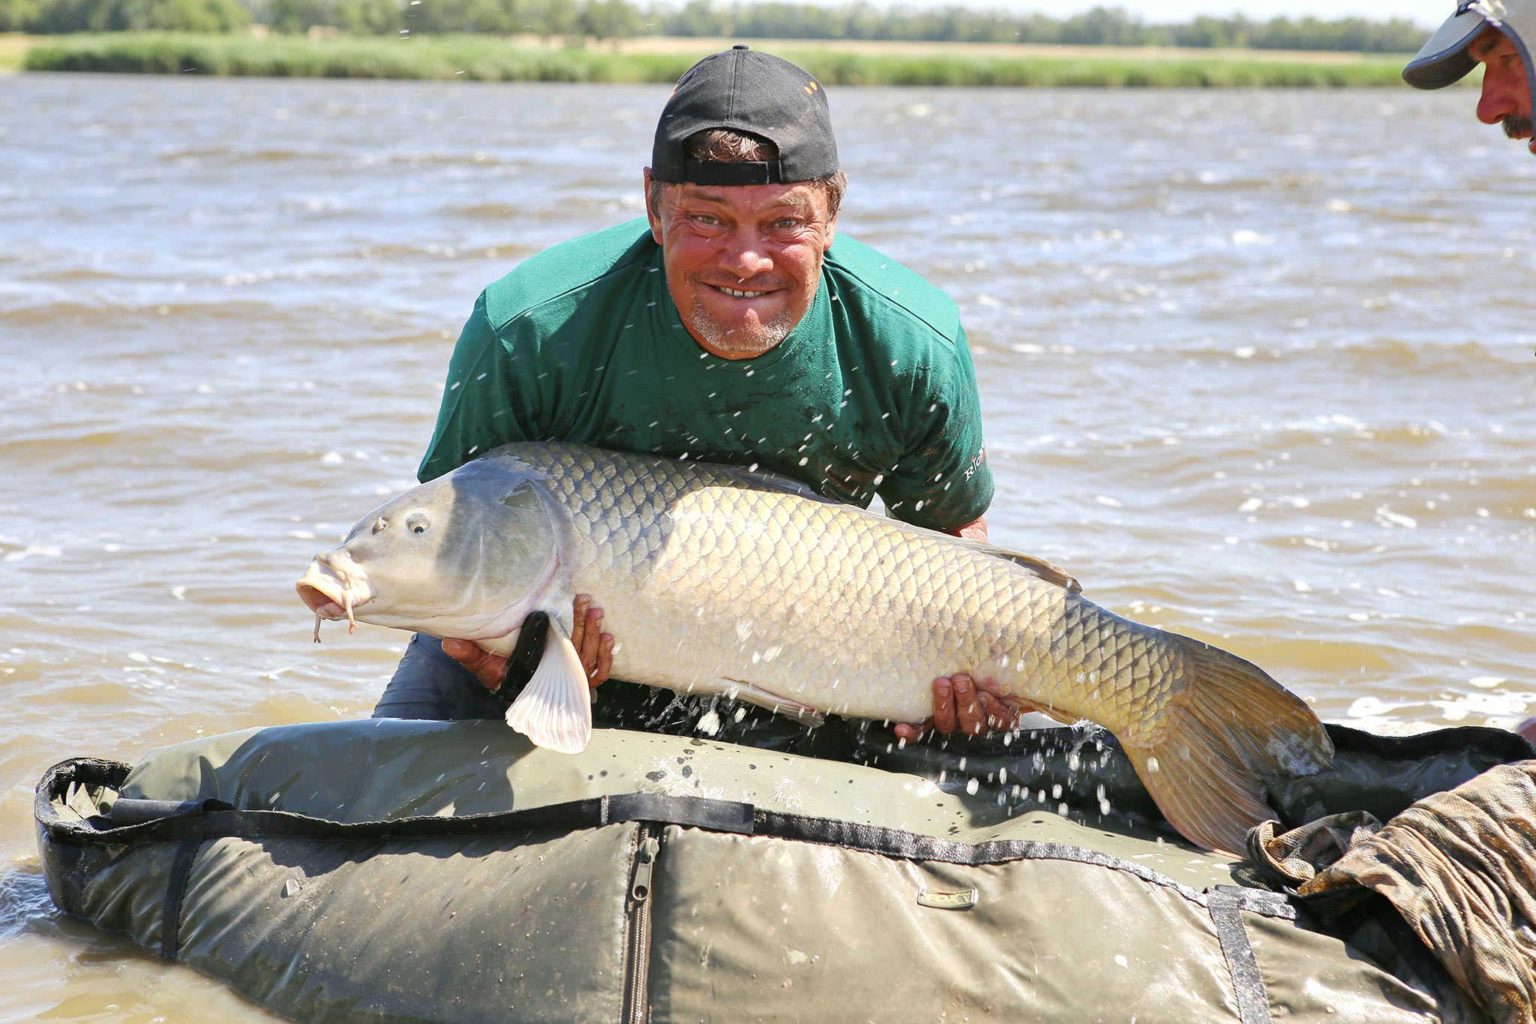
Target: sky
<point x="1428" y="13"/>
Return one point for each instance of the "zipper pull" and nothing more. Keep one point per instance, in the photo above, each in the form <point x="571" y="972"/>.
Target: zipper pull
<point x="640" y="891"/>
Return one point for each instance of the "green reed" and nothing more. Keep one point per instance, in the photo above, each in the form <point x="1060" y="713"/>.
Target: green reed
<point x="484" y="58"/>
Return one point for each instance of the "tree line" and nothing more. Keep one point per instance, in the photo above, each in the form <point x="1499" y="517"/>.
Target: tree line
<point x="608" y="20"/>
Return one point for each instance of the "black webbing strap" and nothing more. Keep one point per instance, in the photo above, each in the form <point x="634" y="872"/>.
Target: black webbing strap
<point x="716" y="815"/>
<point x="1247" y="983"/>
<point x="214" y="819"/>
<point x="175" y="893"/>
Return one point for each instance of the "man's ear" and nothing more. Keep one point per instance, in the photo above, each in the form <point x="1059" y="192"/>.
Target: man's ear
<point x="651" y="213"/>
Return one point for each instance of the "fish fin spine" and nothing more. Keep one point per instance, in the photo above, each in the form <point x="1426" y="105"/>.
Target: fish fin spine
<point x="555" y="708"/>
<point x="1204" y="759"/>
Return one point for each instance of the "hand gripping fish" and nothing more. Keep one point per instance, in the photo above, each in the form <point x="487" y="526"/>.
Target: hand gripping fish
<point x="721" y="580"/>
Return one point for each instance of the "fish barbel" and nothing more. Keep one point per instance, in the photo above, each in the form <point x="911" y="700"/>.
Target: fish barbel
<point x="719" y="580"/>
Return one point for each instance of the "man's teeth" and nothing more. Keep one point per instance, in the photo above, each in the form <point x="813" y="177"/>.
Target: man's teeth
<point x="735" y="294"/>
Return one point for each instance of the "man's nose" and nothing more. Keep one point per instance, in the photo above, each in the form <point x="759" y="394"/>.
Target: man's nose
<point x="1500" y="96"/>
<point x="746" y="255"/>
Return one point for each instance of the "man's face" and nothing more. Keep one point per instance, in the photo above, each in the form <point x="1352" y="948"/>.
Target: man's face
<point x="742" y="261"/>
<point x="1506" y="95"/>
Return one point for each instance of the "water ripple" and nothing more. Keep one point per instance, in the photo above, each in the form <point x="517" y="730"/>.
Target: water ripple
<point x="24" y="901"/>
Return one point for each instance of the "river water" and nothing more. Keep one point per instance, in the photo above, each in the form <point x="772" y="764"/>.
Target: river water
<point x="1255" y="366"/>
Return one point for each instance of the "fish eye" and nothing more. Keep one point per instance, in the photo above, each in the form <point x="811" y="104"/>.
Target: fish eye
<point x="418" y="522"/>
<point x="380" y="524"/>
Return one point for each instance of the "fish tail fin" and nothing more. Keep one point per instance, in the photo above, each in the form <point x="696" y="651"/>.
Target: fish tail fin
<point x="1206" y="754"/>
<point x="555" y="708"/>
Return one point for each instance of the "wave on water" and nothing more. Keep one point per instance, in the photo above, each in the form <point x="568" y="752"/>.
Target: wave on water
<point x="1421" y="356"/>
<point x="23" y="899"/>
<point x="49" y="312"/>
<point x="238" y="155"/>
<point x="1409" y="356"/>
<point x="431" y="159"/>
<point x="484" y="211"/>
<point x="509" y="251"/>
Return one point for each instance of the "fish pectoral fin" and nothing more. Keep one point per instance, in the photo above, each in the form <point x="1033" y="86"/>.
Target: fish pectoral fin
<point x="555" y="708"/>
<point x="739" y="689"/>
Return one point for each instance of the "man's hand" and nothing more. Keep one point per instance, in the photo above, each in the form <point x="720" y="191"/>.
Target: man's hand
<point x="962" y="704"/>
<point x="485" y="666"/>
<point x="593" y="645"/>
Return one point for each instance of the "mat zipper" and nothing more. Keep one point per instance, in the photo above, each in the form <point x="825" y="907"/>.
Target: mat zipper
<point x="637" y="914"/>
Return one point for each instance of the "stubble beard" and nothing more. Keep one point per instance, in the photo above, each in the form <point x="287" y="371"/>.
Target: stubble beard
<point x="742" y="343"/>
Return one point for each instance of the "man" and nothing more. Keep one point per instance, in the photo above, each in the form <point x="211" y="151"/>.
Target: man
<point x="726" y="327"/>
<point x="1498" y="35"/>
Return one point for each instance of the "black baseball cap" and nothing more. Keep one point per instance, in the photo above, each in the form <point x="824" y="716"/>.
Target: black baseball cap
<point x="748" y="91"/>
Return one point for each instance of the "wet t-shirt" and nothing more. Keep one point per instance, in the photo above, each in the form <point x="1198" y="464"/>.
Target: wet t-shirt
<point x="873" y="392"/>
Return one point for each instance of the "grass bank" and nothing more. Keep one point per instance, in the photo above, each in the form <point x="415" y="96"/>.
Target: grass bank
<point x="13" y="51"/>
<point x="482" y="58"/>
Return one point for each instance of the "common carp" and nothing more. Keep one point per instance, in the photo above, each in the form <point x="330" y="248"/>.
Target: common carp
<point x="721" y="580"/>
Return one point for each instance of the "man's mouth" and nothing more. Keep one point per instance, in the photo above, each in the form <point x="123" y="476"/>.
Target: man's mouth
<point x="743" y="293"/>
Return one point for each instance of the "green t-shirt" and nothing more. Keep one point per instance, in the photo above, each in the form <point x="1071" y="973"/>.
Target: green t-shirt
<point x="873" y="392"/>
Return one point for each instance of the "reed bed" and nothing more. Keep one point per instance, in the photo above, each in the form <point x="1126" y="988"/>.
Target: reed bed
<point x="483" y="58"/>
<point x="13" y="51"/>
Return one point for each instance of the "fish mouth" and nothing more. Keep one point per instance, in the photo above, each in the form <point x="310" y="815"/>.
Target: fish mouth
<point x="332" y="594"/>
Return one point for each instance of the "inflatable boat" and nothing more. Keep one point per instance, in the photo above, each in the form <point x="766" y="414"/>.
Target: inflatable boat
<point x="394" y="871"/>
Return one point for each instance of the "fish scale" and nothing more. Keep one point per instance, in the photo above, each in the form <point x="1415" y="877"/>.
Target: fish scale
<point x="717" y="579"/>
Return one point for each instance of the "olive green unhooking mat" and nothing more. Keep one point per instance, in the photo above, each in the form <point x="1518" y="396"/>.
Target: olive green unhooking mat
<point x="416" y="871"/>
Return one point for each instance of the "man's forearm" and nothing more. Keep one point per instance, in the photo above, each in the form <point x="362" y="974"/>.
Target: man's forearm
<point x="976" y="529"/>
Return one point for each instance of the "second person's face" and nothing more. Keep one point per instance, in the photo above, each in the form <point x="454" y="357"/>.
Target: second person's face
<point x="1506" y="96"/>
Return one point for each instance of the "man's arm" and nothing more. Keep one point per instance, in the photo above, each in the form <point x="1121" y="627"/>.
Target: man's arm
<point x="976" y="529"/>
<point x="486" y="402"/>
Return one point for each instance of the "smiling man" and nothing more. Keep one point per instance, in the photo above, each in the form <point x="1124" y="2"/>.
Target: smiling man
<point x="732" y="325"/>
<point x="1496" y="34"/>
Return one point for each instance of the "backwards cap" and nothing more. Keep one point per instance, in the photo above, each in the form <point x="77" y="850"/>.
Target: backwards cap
<point x="747" y="91"/>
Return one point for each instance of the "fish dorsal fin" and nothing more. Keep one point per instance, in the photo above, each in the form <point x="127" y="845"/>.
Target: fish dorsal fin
<point x="555" y="708"/>
<point x="1039" y="566"/>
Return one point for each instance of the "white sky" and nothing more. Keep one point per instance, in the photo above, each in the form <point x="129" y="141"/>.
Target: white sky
<point x="1428" y="13"/>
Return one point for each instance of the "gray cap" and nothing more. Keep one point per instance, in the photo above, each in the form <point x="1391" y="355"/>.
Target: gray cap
<point x="1444" y="60"/>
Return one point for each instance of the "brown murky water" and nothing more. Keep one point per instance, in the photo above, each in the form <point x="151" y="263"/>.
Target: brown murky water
<point x="1255" y="366"/>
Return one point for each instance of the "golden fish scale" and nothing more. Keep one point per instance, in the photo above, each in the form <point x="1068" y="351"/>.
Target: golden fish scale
<point x="867" y="609"/>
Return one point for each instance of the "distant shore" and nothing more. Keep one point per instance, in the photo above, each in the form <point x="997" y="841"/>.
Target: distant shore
<point x="662" y="60"/>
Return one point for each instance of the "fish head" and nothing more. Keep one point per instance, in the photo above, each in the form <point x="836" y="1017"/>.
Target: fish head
<point x="467" y="555"/>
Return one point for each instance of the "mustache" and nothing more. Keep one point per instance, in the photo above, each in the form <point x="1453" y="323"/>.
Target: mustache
<point x="1517" y="127"/>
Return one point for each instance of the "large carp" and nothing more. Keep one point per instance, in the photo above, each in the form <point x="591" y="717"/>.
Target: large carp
<point x="721" y="580"/>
